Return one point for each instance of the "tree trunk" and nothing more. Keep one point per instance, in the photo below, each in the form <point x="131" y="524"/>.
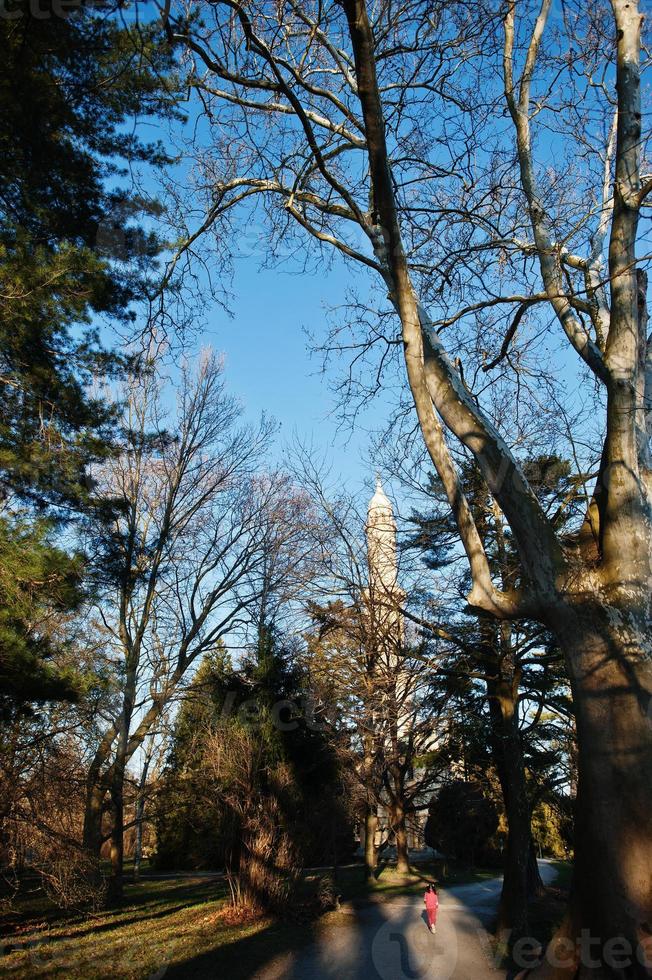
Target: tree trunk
<point x="502" y="683"/>
<point x="397" y="806"/>
<point x="535" y="885"/>
<point x="370" y="850"/>
<point x="139" y="817"/>
<point x="138" y="845"/>
<point x="400" y="835"/>
<point x="117" y="782"/>
<point x="507" y="752"/>
<point x="140" y="813"/>
<point x="115" y="885"/>
<point x="609" y="650"/>
<point x="92" y="829"/>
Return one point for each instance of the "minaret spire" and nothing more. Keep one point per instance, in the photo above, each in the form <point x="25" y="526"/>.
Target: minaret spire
<point x="381" y="540"/>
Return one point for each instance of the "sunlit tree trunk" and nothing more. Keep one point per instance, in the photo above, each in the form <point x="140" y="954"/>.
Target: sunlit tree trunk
<point x="115" y="883"/>
<point x="401" y="837"/>
<point x="370" y="849"/>
<point x="610" y="656"/>
<point x="92" y="830"/>
<point x="398" y="806"/>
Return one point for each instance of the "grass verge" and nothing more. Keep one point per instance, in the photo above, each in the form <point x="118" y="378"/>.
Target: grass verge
<point x="178" y="928"/>
<point x="164" y="928"/>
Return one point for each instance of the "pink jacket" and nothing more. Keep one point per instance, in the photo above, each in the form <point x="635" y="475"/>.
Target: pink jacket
<point x="431" y="900"/>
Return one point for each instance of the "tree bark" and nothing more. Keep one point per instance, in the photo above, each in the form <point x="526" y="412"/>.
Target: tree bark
<point x="118" y="770"/>
<point x="610" y="918"/>
<point x="115" y="884"/>
<point x="400" y="836"/>
<point x="92" y="830"/>
<point x="507" y="752"/>
<point x="535" y="885"/>
<point x="140" y="813"/>
<point x="370" y="849"/>
<point x="138" y="846"/>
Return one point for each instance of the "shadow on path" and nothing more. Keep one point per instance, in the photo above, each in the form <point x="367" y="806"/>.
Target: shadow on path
<point x="385" y="941"/>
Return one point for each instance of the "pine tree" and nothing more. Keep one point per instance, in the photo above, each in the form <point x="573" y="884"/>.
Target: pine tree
<point x="294" y="776"/>
<point x="495" y="669"/>
<point x="188" y="834"/>
<point x="71" y="252"/>
<point x="37" y="580"/>
<point x="68" y="251"/>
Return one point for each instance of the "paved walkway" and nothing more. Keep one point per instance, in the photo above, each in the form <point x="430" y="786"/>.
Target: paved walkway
<point x="391" y="941"/>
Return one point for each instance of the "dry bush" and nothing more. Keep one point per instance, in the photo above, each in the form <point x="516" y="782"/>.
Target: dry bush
<point x="264" y="865"/>
<point x="68" y="875"/>
<point x="42" y="785"/>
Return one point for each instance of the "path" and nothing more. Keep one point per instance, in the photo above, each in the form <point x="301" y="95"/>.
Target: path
<point x="390" y="940"/>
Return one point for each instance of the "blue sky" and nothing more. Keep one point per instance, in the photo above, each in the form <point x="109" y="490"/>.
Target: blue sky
<point x="269" y="366"/>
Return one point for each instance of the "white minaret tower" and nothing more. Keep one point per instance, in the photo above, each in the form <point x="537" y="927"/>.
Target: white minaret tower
<point x="385" y="600"/>
<point x="381" y="542"/>
<point x="383" y="594"/>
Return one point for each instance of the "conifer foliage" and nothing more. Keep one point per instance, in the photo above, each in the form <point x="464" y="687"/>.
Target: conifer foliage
<point x="253" y="781"/>
<point x="72" y="255"/>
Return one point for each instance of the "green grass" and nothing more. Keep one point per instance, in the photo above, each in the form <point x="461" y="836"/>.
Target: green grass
<point x="174" y="927"/>
<point x="161" y="924"/>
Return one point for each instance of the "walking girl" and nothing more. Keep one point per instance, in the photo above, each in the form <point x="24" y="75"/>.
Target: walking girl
<point x="432" y="904"/>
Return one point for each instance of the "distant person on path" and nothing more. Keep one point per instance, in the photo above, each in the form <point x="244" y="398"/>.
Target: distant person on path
<point x="432" y="904"/>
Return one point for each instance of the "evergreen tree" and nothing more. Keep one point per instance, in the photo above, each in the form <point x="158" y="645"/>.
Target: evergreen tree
<point x="295" y="774"/>
<point x="504" y="675"/>
<point x="190" y="835"/>
<point x="318" y="807"/>
<point x="461" y="821"/>
<point x="71" y="253"/>
<point x="37" y="580"/>
<point x="69" y="249"/>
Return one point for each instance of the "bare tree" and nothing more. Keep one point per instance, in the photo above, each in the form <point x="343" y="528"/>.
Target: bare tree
<point x="364" y="661"/>
<point x="383" y="694"/>
<point x="340" y="115"/>
<point x="185" y="565"/>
